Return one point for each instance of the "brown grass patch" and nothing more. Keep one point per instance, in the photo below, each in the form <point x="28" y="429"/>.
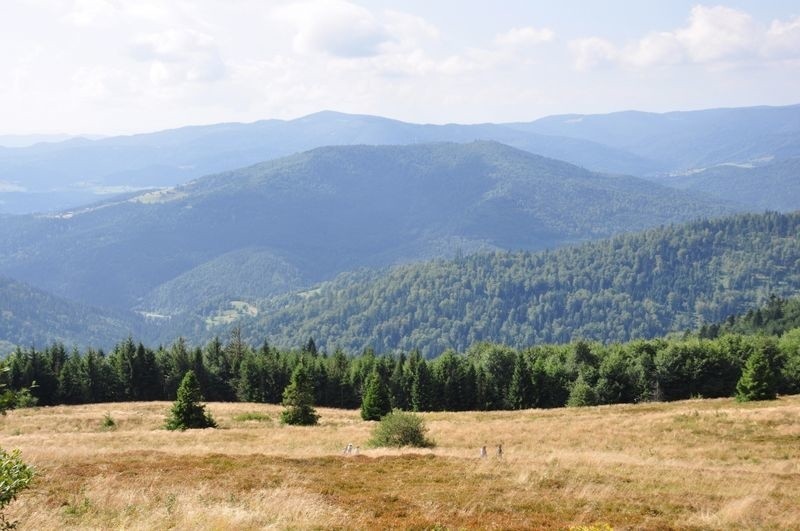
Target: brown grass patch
<point x="710" y="464"/>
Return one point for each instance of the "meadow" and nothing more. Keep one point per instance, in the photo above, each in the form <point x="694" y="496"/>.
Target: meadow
<point x="696" y="464"/>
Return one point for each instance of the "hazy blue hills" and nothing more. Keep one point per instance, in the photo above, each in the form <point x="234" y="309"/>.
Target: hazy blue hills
<point x="774" y="186"/>
<point x="642" y="285"/>
<point x="31" y="317"/>
<point x="326" y="211"/>
<point x="59" y="175"/>
<point x="55" y="176"/>
<point x="686" y="140"/>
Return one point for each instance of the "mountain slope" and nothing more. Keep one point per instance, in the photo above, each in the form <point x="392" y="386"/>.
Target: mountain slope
<point x="61" y="175"/>
<point x="334" y="209"/>
<point x="632" y="286"/>
<point x="686" y="140"/>
<point x="774" y="186"/>
<point x="31" y="317"/>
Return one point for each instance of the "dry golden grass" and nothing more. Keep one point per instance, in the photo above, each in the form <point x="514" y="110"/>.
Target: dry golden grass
<point x="701" y="464"/>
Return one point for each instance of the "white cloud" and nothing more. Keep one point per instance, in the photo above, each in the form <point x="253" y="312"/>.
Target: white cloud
<point x="719" y="34"/>
<point x="783" y="39"/>
<point x="713" y="36"/>
<point x="592" y="52"/>
<point x="334" y="27"/>
<point x="179" y="55"/>
<point x="521" y="37"/>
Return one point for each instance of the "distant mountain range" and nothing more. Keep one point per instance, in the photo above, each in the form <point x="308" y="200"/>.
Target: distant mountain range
<point x="680" y="141"/>
<point x="310" y="216"/>
<point x="202" y="228"/>
<point x="775" y="185"/>
<point x="56" y="176"/>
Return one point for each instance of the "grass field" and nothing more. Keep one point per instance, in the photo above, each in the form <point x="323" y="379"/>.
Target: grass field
<point x="699" y="464"/>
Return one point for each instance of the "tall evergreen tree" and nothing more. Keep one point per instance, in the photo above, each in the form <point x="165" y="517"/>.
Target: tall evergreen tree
<point x="375" y="402"/>
<point x="187" y="412"/>
<point x="520" y="391"/>
<point x="298" y="399"/>
<point x="758" y="379"/>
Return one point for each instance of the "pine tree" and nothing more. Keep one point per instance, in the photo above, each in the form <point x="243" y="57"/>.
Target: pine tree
<point x="757" y="381"/>
<point x="187" y="411"/>
<point x="520" y="391"/>
<point x="375" y="403"/>
<point x="298" y="398"/>
<point x="421" y="389"/>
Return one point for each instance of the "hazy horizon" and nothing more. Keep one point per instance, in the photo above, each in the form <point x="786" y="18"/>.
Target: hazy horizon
<point x="102" y="67"/>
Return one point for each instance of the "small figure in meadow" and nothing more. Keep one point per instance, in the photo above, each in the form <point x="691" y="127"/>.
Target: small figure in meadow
<point x="355" y="452"/>
<point x="348" y="449"/>
<point x="500" y="450"/>
<point x="483" y="452"/>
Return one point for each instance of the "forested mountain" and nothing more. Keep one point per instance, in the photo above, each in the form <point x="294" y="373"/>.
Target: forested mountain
<point x="632" y="286"/>
<point x="326" y="211"/>
<point x="67" y="174"/>
<point x="774" y="186"/>
<point x="775" y="318"/>
<point x="31" y="317"/>
<point x="60" y="175"/>
<point x="686" y="140"/>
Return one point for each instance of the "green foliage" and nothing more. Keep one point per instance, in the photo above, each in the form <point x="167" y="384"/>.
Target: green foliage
<point x="15" y="476"/>
<point x="375" y="402"/>
<point x="633" y="286"/>
<point x="582" y="394"/>
<point x="758" y="379"/>
<point x="187" y="412"/>
<point x="108" y="423"/>
<point x="399" y="429"/>
<point x="298" y="399"/>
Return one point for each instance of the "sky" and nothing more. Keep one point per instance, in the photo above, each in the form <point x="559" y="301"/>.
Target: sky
<point x="122" y="66"/>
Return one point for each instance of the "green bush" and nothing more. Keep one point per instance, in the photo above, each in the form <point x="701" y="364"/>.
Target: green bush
<point x="108" y="423"/>
<point x="400" y="428"/>
<point x="15" y="476"/>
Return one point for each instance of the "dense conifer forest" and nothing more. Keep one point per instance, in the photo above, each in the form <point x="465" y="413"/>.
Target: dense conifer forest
<point x="484" y="377"/>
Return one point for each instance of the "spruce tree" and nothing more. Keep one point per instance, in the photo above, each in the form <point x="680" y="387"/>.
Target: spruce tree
<point x="757" y="381"/>
<point x="520" y="392"/>
<point x="375" y="402"/>
<point x="298" y="398"/>
<point x="187" y="411"/>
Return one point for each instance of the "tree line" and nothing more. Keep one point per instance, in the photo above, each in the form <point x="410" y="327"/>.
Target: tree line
<point x="485" y="377"/>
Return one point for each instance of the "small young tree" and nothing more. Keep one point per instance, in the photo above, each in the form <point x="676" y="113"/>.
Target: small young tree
<point x="400" y="428"/>
<point x="298" y="398"/>
<point x="187" y="411"/>
<point x="375" y="402"/>
<point x="757" y="381"/>
<point x="15" y="474"/>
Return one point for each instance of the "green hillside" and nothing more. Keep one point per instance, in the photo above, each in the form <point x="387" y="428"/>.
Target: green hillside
<point x="632" y="286"/>
<point x="328" y="211"/>
<point x="31" y="317"/>
<point x="774" y="186"/>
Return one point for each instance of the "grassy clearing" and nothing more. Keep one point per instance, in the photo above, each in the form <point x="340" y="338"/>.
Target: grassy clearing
<point x="700" y="464"/>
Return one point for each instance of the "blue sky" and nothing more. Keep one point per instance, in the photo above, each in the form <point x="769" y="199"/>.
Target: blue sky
<point x="115" y="66"/>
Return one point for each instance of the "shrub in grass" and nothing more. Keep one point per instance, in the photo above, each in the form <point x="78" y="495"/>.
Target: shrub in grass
<point x="400" y="428"/>
<point x="108" y="423"/>
<point x="187" y="411"/>
<point x="15" y="476"/>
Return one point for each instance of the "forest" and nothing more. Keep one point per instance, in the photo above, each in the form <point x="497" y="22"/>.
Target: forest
<point x="641" y="285"/>
<point x="485" y="377"/>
